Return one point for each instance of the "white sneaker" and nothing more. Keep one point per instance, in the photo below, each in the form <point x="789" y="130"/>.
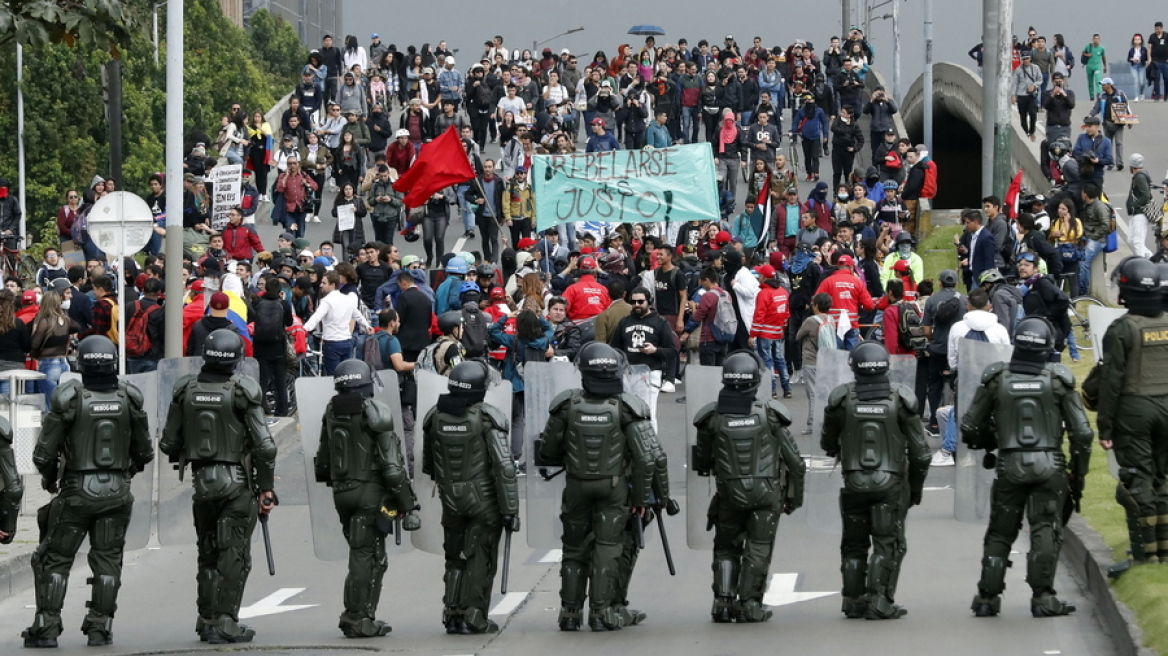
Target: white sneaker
<point x="797" y="377"/>
<point x="315" y="218"/>
<point x="667" y="387"/>
<point x="942" y="458"/>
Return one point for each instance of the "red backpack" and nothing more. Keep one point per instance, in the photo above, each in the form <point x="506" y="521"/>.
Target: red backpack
<point x="138" y="341"/>
<point x="929" y="189"/>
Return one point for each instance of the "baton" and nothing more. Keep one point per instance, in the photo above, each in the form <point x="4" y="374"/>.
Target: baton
<point x="397" y="530"/>
<point x="639" y="531"/>
<point x="506" y="561"/>
<point x="267" y="540"/>
<point x="543" y="472"/>
<point x="665" y="543"/>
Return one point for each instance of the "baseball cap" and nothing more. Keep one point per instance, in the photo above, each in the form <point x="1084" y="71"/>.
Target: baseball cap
<point x="498" y="294"/>
<point x="1025" y="54"/>
<point x="597" y="121"/>
<point x="526" y="242"/>
<point x="902" y="266"/>
<point x="722" y="237"/>
<point x="300" y="243"/>
<point x="450" y="60"/>
<point x="846" y="260"/>
<point x="409" y="259"/>
<point x="765" y="271"/>
<point x="219" y="301"/>
<point x="287" y="236"/>
<point x="305" y="253"/>
<point x="1092" y="120"/>
<point x="948" y="278"/>
<point x="29" y="296"/>
<point x="211" y="264"/>
<point x="375" y="35"/>
<point x="198" y="285"/>
<point x="588" y="263"/>
<point x="521" y="169"/>
<point x="1105" y="80"/>
<point x="401" y="133"/>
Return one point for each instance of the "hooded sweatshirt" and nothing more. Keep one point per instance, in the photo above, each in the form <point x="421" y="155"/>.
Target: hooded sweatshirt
<point x="979" y="320"/>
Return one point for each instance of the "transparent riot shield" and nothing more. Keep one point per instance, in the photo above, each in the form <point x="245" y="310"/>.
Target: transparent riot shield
<point x="972" y="482"/>
<point x="824" y="477"/>
<point x="142" y="486"/>
<point x="23" y="412"/>
<point x="702" y="385"/>
<point x="1099" y="319"/>
<point x="430" y="536"/>
<point x="542" y="382"/>
<point x="175" y="525"/>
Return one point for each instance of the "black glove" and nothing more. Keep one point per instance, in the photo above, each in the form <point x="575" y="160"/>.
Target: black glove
<point x="989" y="460"/>
<point x="915" y="497"/>
<point x="671" y="507"/>
<point x="511" y="523"/>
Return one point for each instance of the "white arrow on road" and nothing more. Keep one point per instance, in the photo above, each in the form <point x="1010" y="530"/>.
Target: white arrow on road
<point x="781" y="591"/>
<point x="270" y="605"/>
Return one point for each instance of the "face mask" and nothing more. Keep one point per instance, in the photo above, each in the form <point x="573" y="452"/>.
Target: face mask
<point x="905" y="250"/>
<point x="841" y="196"/>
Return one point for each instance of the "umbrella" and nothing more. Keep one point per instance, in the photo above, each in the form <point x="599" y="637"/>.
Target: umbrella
<point x="646" y="30"/>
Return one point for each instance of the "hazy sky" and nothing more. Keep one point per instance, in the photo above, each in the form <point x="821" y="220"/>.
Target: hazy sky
<point x="957" y="25"/>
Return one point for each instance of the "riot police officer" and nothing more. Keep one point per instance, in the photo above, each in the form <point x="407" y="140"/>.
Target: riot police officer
<point x="1131" y="396"/>
<point x="216" y="424"/>
<point x="360" y="458"/>
<point x="1020" y="409"/>
<point x="93" y="440"/>
<point x="873" y="427"/>
<point x="746" y="445"/>
<point x="13" y="488"/>
<point x="467" y="451"/>
<point x="599" y="433"/>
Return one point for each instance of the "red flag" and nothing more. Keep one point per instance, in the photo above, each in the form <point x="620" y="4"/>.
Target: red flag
<point x="441" y="163"/>
<point x="1012" y="196"/>
<point x="764" y="205"/>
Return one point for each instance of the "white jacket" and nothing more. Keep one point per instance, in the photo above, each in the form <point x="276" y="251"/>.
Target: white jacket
<point x="987" y="322"/>
<point x="745" y="287"/>
<point x="335" y="316"/>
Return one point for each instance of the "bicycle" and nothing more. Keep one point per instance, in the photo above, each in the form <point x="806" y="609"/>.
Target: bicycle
<point x="1077" y="312"/>
<point x="13" y="264"/>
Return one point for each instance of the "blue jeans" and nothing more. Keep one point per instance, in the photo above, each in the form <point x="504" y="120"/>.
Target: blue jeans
<point x="851" y="338"/>
<point x="947" y="423"/>
<point x="1140" y="71"/>
<point x="141" y="365"/>
<point x="468" y="217"/>
<point x="1090" y="251"/>
<point x="567" y="232"/>
<point x="1160" y="81"/>
<point x="771" y="352"/>
<point x="52" y="368"/>
<point x="690" y="122"/>
<point x="335" y="353"/>
<point x="1073" y="346"/>
<point x="295" y="219"/>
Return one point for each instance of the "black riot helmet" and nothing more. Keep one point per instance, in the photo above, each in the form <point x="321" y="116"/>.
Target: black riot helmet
<point x="741" y="372"/>
<point x="1034" y="341"/>
<point x="448" y="321"/>
<point x="1139" y="286"/>
<point x="97" y="356"/>
<point x="353" y="376"/>
<point x="223" y="348"/>
<point x="469" y="379"/>
<point x="870" y="364"/>
<point x="601" y="368"/>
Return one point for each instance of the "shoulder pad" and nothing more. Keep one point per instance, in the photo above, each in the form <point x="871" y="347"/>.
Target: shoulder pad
<point x="64" y="395"/>
<point x="180" y="386"/>
<point x="495" y="416"/>
<point x="636" y="405"/>
<point x="429" y="418"/>
<point x="908" y="398"/>
<point x="838" y="395"/>
<point x="378" y="415"/>
<point x="561" y="400"/>
<point x="704" y="413"/>
<point x="1063" y="373"/>
<point x="133" y="393"/>
<point x="249" y="387"/>
<point x="992" y="371"/>
<point x="780" y="410"/>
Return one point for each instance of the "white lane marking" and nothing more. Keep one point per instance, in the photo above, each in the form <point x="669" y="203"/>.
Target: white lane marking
<point x="458" y="245"/>
<point x="553" y="556"/>
<point x="936" y="489"/>
<point x="270" y="605"/>
<point x="781" y="591"/>
<point x="1052" y="652"/>
<point x="509" y="603"/>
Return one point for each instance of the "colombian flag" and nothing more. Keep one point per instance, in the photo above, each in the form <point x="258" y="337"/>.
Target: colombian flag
<point x="237" y="313"/>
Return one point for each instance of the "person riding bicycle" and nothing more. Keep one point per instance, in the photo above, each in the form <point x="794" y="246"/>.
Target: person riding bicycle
<point x="9" y="212"/>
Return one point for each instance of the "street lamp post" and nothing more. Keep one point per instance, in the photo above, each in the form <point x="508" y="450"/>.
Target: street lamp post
<point x="535" y="44"/>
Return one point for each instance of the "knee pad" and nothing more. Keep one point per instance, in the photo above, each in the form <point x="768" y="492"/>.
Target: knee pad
<point x="884" y="519"/>
<point x="573" y="583"/>
<point x="877" y="574"/>
<point x="725" y="578"/>
<point x="993" y="575"/>
<point x="762" y="525"/>
<point x="609" y="525"/>
<point x="232" y="532"/>
<point x="453" y="580"/>
<point x="104" y="599"/>
<point x="854" y="573"/>
<point x="50" y="592"/>
<point x="208" y="588"/>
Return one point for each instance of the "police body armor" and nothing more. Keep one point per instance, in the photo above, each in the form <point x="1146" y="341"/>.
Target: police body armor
<point x="461" y="463"/>
<point x="743" y="448"/>
<point x="214" y="437"/>
<point x="97" y="448"/>
<point x="352" y="449"/>
<point x="873" y="450"/>
<point x="595" y="444"/>
<point x="1030" y="427"/>
<point x="1147" y="362"/>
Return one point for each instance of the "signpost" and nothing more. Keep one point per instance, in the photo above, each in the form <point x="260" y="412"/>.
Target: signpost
<point x="121" y="223"/>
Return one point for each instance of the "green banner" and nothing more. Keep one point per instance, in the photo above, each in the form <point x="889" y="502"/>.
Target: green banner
<point x="626" y="186"/>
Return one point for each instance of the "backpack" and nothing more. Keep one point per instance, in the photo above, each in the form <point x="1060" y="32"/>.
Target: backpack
<point x="374" y="352"/>
<point x="947" y="312"/>
<point x="827" y="337"/>
<point x="431" y="360"/>
<point x="474" y="334"/>
<point x="909" y="332"/>
<point x="929" y="189"/>
<point x="138" y="341"/>
<point x="725" y="324"/>
<point x="977" y="336"/>
<point x="269" y="321"/>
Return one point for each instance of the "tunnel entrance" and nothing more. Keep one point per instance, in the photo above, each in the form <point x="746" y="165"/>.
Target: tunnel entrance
<point x="957" y="152"/>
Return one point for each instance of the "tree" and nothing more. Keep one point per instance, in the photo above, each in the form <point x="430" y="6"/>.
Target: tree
<point x="101" y="24"/>
<point x="278" y="45"/>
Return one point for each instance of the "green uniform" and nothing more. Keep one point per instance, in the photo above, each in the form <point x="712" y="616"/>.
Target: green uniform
<point x="218" y="428"/>
<point x="1133" y="415"/>
<point x="13" y="488"/>
<point x="1022" y="415"/>
<point x="91" y="444"/>
<point x="360" y="457"/>
<point x="884" y="459"/>
<point x="469" y="456"/>
<point x="630" y="550"/>
<point x="759" y="476"/>
<point x="604" y="444"/>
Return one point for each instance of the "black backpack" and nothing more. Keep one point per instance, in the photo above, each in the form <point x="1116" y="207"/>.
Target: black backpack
<point x="269" y="321"/>
<point x="474" y="333"/>
<point x="910" y="334"/>
<point x="948" y="311"/>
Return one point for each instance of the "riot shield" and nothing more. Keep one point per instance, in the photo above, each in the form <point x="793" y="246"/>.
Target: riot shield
<point x="430" y="536"/>
<point x="175" y="525"/>
<point x="542" y="382"/>
<point x="972" y="482"/>
<point x="702" y="384"/>
<point x="824" y="476"/>
<point x="142" y="486"/>
<point x="1100" y="319"/>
